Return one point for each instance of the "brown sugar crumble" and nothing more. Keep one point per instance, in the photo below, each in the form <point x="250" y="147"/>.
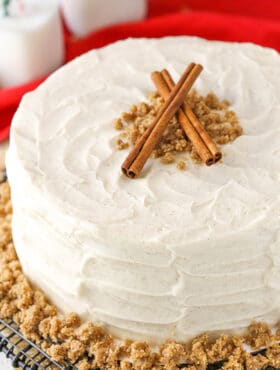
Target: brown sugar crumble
<point x="89" y="346"/>
<point x="217" y="119"/>
<point x="181" y="165"/>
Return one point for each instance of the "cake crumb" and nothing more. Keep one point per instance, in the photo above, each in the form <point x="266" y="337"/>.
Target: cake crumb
<point x="259" y="335"/>
<point x="121" y="144"/>
<point x="172" y="354"/>
<point x="83" y="365"/>
<point x="167" y="158"/>
<point x="181" y="165"/>
<point x="258" y="362"/>
<point x="118" y="125"/>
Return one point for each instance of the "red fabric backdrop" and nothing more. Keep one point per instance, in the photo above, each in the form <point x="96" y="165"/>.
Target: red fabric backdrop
<point x="228" y="20"/>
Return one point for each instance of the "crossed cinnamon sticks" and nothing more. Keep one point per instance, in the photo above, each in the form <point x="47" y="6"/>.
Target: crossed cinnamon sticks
<point x="175" y="102"/>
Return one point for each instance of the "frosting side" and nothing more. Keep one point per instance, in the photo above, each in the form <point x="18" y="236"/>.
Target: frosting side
<point x="173" y="253"/>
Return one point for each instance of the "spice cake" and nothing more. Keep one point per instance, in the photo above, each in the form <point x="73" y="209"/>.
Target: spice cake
<point x="173" y="253"/>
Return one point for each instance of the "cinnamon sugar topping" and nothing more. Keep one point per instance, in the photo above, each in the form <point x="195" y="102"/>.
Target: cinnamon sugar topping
<point x="215" y="115"/>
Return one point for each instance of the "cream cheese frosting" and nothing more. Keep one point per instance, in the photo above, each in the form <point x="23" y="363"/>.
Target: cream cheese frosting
<point x="173" y="253"/>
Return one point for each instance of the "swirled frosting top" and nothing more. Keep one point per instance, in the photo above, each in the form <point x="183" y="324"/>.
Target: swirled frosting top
<point x="67" y="126"/>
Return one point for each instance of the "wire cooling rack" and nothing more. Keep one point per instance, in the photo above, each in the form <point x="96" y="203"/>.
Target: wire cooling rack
<point x="23" y="353"/>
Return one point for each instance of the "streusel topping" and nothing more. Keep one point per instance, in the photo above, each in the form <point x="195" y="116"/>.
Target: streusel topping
<point x="219" y="121"/>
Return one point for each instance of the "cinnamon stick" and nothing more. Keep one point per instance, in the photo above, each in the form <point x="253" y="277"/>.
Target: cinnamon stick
<point x="201" y="148"/>
<point x="143" y="148"/>
<point x="210" y="144"/>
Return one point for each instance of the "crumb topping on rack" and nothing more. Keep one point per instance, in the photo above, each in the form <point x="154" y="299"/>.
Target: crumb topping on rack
<point x="218" y="120"/>
<point x="65" y="337"/>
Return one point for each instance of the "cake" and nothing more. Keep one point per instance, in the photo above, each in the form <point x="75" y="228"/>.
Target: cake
<point x="173" y="253"/>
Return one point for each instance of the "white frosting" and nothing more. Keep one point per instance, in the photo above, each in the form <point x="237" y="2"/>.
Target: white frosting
<point x="31" y="41"/>
<point x="85" y="16"/>
<point x="173" y="253"/>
